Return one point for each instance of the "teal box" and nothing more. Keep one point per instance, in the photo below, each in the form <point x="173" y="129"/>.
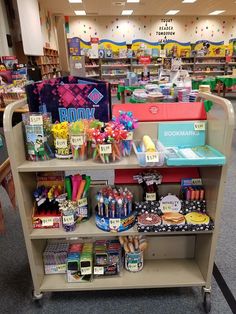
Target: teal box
<point x="181" y="134"/>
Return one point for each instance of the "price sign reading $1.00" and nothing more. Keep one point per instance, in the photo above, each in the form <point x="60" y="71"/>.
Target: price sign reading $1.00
<point x="114" y="224"/>
<point x="152" y="157"/>
<point x="82" y="202"/>
<point x="130" y="136"/>
<point x="98" y="270"/>
<point x="77" y="140"/>
<point x="199" y="126"/>
<point x="61" y="143"/>
<point x="68" y="219"/>
<point x="36" y="120"/>
<point x="86" y="271"/>
<point x="105" y="149"/>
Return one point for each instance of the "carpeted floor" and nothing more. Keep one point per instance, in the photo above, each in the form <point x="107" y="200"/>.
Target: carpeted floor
<point x="16" y="283"/>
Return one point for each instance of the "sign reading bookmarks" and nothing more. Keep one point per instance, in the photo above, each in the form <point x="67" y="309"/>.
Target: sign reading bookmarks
<point x="170" y="203"/>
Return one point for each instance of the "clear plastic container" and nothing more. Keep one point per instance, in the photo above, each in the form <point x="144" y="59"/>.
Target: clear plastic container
<point x="134" y="261"/>
<point x="152" y="159"/>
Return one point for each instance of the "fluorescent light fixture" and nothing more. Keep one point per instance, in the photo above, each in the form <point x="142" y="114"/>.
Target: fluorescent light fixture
<point x="80" y="12"/>
<point x="189" y="1"/>
<point x="172" y="12"/>
<point x="127" y="12"/>
<point x="217" y="12"/>
<point x="75" y="1"/>
<point x="133" y="1"/>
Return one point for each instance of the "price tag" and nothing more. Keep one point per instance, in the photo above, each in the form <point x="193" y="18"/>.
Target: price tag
<point x="166" y="207"/>
<point x="152" y="157"/>
<point x="105" y="149"/>
<point x="36" y="120"/>
<point x="199" y="126"/>
<point x="77" y="140"/>
<point x="133" y="267"/>
<point x="61" y="143"/>
<point x="150" y="196"/>
<point x="83" y="202"/>
<point x="61" y="267"/>
<point x="47" y="222"/>
<point x="68" y="219"/>
<point x="197" y="181"/>
<point x="98" y="270"/>
<point x="86" y="270"/>
<point x="130" y="136"/>
<point x="114" y="224"/>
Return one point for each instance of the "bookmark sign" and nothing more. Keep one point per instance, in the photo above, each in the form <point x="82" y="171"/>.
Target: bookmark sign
<point x="105" y="149"/>
<point x="36" y="120"/>
<point x="152" y="157"/>
<point x="77" y="140"/>
<point x="184" y="134"/>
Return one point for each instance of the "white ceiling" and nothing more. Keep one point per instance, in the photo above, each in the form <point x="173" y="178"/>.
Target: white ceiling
<point x="145" y="7"/>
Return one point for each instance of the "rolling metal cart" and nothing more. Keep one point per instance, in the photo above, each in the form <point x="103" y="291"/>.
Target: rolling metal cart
<point x="173" y="259"/>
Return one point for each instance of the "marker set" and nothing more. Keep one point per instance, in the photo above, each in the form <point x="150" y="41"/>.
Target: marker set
<point x="114" y="203"/>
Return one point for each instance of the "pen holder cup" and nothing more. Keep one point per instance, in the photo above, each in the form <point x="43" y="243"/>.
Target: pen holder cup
<point x="62" y="148"/>
<point x="134" y="261"/>
<point x="107" y="153"/>
<point x="78" y="143"/>
<point x="68" y="222"/>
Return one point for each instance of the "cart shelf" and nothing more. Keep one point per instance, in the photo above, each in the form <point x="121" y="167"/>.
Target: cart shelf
<point x="155" y="274"/>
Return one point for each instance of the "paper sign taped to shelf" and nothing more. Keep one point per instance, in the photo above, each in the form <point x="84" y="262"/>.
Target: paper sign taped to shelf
<point x="133" y="267"/>
<point x="151" y="196"/>
<point x="199" y="126"/>
<point x="98" y="270"/>
<point x="114" y="224"/>
<point x="61" y="143"/>
<point x="77" y="140"/>
<point x="130" y="136"/>
<point x="105" y="149"/>
<point x="68" y="219"/>
<point x="47" y="221"/>
<point x="36" y="120"/>
<point x="83" y="202"/>
<point x="167" y="207"/>
<point x="152" y="157"/>
<point x="86" y="270"/>
<point x="197" y="181"/>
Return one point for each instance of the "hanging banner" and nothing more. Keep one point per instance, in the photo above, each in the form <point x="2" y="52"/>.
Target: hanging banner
<point x="74" y="46"/>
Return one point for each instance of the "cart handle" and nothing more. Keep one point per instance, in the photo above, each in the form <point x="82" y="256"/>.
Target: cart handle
<point x="225" y="104"/>
<point x="8" y="113"/>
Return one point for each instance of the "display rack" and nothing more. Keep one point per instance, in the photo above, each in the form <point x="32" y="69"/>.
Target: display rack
<point x="48" y="62"/>
<point x="172" y="259"/>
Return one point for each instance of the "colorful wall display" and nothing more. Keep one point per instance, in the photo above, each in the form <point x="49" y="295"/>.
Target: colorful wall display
<point x="211" y="48"/>
<point x="154" y="28"/>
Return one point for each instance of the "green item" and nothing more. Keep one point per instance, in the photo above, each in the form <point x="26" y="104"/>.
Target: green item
<point x="208" y="81"/>
<point x="208" y="104"/>
<point x="1" y="141"/>
<point x="68" y="187"/>
<point x="87" y="185"/>
<point x="122" y="88"/>
<point x="227" y="81"/>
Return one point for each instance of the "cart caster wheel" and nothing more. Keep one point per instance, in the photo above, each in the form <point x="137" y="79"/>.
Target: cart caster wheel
<point x="37" y="299"/>
<point x="207" y="302"/>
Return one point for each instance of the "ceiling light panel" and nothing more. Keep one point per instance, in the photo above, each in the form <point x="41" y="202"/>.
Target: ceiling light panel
<point x="172" y="12"/>
<point x="75" y="1"/>
<point x="80" y="12"/>
<point x="189" y="1"/>
<point x="127" y="12"/>
<point x="217" y="12"/>
<point x="133" y="1"/>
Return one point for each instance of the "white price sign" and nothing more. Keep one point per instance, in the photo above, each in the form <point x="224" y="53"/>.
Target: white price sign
<point x="36" y="120"/>
<point x="98" y="270"/>
<point x="47" y="222"/>
<point x="105" y="149"/>
<point x="61" y="143"/>
<point x="199" y="126"/>
<point x="150" y="196"/>
<point x="77" y="140"/>
<point x="152" y="157"/>
<point x="130" y="136"/>
<point x="114" y="224"/>
<point x="68" y="219"/>
<point x="83" y="202"/>
<point x="86" y="270"/>
<point x="133" y="267"/>
<point x="166" y="207"/>
<point x="197" y="181"/>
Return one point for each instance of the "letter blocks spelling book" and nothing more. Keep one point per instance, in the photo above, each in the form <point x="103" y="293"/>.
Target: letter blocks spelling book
<point x="71" y="98"/>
